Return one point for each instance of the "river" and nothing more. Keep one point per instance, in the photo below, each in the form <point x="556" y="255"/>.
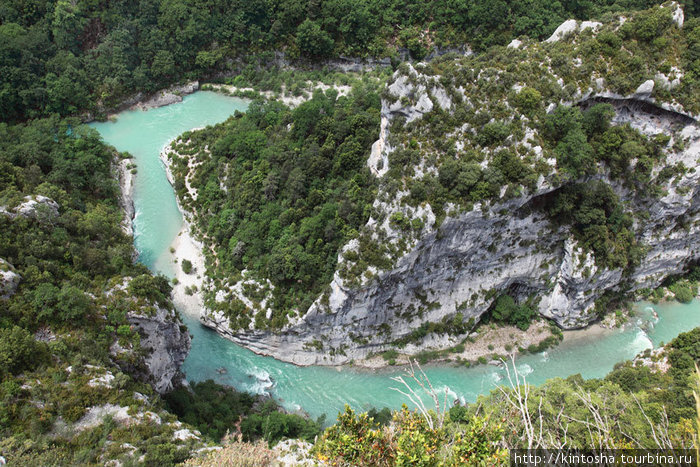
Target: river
<point x="322" y="390"/>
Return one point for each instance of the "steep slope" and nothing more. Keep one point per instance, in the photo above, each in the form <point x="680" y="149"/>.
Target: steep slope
<point x="88" y="339"/>
<point x="560" y="174"/>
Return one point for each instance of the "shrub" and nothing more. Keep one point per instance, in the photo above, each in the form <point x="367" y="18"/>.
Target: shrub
<point x="153" y="288"/>
<point x="410" y="440"/>
<point x="683" y="292"/>
<point x="505" y="310"/>
<point x="353" y="441"/>
<point x="493" y="133"/>
<point x="215" y="409"/>
<point x="186" y="266"/>
<point x="19" y="351"/>
<point x="527" y="100"/>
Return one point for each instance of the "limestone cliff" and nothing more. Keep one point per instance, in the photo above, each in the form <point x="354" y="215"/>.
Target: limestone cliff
<point x="164" y="343"/>
<point x="122" y="171"/>
<point x="463" y="255"/>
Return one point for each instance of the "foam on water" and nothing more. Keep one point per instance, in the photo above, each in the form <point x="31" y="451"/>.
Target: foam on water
<point x="263" y="383"/>
<point x="641" y="342"/>
<point x="445" y="393"/>
<point x="524" y="369"/>
<point x="496" y="377"/>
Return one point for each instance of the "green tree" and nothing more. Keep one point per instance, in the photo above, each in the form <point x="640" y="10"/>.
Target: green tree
<point x="18" y="351"/>
<point x="312" y="41"/>
<point x="163" y="65"/>
<point x="528" y="100"/>
<point x="574" y="154"/>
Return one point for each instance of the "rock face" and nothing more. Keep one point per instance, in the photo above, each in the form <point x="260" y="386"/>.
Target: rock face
<point x="168" y="96"/>
<point x="645" y="89"/>
<point x="511" y="248"/>
<point x="9" y="280"/>
<point x="122" y="172"/>
<point x="571" y="26"/>
<point x="168" y="343"/>
<point x="515" y="44"/>
<point x="164" y="340"/>
<point x="677" y="15"/>
<point x="34" y="206"/>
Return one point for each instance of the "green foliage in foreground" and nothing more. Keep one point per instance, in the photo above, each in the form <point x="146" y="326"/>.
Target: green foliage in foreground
<point x="279" y="192"/>
<point x="410" y="440"/>
<point x="217" y="410"/>
<point x="625" y="397"/>
<point x="632" y="407"/>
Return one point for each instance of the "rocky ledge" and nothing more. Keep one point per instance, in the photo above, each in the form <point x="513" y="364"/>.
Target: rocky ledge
<point x="165" y="344"/>
<point x="509" y="247"/>
<point x="171" y="95"/>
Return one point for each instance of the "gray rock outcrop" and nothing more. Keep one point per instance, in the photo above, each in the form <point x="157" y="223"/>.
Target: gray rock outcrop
<point x="9" y="280"/>
<point x="168" y="96"/>
<point x="34" y="206"/>
<point x="511" y="247"/>
<point x="165" y="343"/>
<point x="571" y="26"/>
<point x="123" y="174"/>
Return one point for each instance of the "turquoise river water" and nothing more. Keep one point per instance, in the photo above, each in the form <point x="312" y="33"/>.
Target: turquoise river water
<point x="319" y="390"/>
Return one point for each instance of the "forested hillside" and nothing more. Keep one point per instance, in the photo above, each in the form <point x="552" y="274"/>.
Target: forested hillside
<point x="75" y="308"/>
<point x="66" y="57"/>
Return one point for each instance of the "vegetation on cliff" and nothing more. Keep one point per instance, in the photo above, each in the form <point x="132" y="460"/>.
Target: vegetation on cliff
<point x="67" y="348"/>
<point x="75" y="386"/>
<point x="504" y="124"/>
<point x="463" y="132"/>
<point x="278" y="192"/>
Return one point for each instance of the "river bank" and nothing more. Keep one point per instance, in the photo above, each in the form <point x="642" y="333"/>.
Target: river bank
<point x="285" y="96"/>
<point x="144" y="101"/>
<point x="488" y="343"/>
<point x="187" y="286"/>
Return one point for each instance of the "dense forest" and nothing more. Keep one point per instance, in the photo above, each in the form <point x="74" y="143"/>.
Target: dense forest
<point x="61" y="237"/>
<point x="67" y="57"/>
<point x="295" y="190"/>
